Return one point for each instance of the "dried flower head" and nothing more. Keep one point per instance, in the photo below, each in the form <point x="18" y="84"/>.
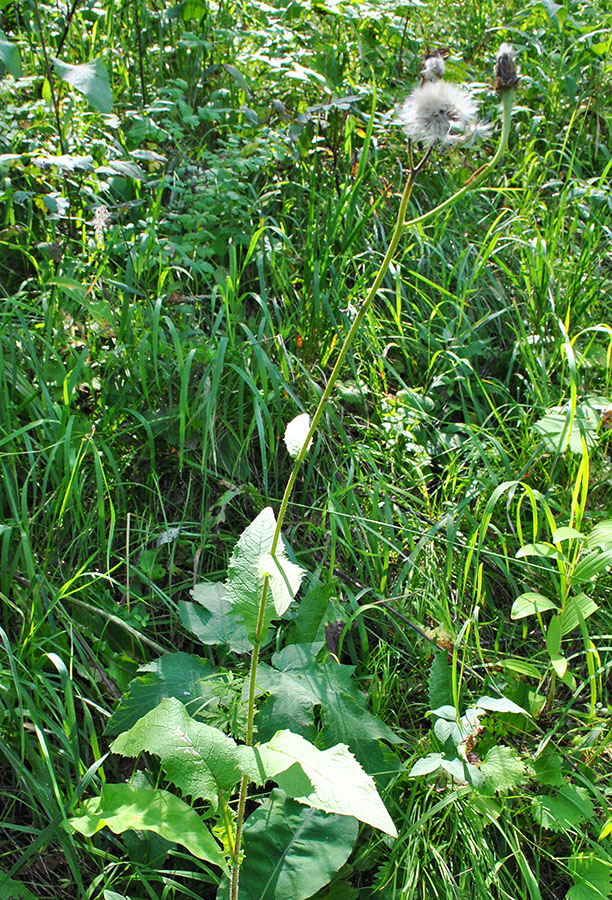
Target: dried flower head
<point x="505" y="68"/>
<point x="433" y="67"/>
<point x="438" y="111"/>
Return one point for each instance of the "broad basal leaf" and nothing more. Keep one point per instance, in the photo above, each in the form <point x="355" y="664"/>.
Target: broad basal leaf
<point x="331" y="780"/>
<point x="198" y="759"/>
<point x="563" y="811"/>
<point x="291" y="850"/>
<point x="182" y="675"/>
<point x="90" y="79"/>
<point x="125" y="806"/>
<point x="299" y="688"/>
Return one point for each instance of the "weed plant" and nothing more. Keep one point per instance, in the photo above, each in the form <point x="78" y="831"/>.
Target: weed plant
<point x="188" y="226"/>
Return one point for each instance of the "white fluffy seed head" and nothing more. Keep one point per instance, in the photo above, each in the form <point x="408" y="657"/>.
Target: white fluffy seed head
<point x="433" y="67"/>
<point x="438" y="111"/>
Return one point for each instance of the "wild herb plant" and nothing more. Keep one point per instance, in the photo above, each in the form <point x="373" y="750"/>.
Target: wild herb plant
<point x="262" y="582"/>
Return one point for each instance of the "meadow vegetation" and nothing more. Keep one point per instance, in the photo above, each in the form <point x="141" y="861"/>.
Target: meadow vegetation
<point x="195" y="200"/>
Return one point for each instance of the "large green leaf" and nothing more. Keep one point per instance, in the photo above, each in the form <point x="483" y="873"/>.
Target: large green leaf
<point x="9" y="57"/>
<point x="250" y="562"/>
<point x="291" y="850"/>
<point x="305" y="684"/>
<point x="181" y="675"/>
<point x="90" y="79"/>
<point x="331" y="780"/>
<point x="308" y="623"/>
<point x="210" y="620"/>
<point x="123" y="807"/>
<point x="14" y="890"/>
<point x="592" y="876"/>
<point x="198" y="759"/>
<point x="563" y="811"/>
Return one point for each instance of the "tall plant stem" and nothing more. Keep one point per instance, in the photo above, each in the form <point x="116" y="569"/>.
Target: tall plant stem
<point x="400" y="226"/>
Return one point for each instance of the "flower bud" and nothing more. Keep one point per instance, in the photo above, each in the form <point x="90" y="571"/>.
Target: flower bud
<point x="505" y="68"/>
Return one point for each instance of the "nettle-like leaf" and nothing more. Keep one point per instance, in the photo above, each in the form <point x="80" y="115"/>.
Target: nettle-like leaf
<point x="123" y="807"/>
<point x="90" y="79"/>
<point x="503" y="769"/>
<point x="291" y="851"/>
<point x="250" y="562"/>
<point x="184" y="676"/>
<point x="331" y="780"/>
<point x="209" y="618"/>
<point x="298" y="684"/>
<point x="198" y="759"/>
<point x="563" y="811"/>
<point x="592" y="876"/>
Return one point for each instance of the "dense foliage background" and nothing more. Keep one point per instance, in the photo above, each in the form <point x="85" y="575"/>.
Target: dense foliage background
<point x="194" y="199"/>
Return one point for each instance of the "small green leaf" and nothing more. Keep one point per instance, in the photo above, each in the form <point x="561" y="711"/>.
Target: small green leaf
<point x="123" y="807"/>
<point x="545" y="551"/>
<point x="591" y="565"/>
<point x="520" y="666"/>
<point x="553" y="637"/>
<point x="90" y="79"/>
<point x="530" y="604"/>
<point x="426" y="765"/>
<point x="499" y="704"/>
<point x="503" y="769"/>
<point x="566" y="533"/>
<point x="331" y="780"/>
<point x="440" y="681"/>
<point x="290" y="850"/>
<point x="548" y="768"/>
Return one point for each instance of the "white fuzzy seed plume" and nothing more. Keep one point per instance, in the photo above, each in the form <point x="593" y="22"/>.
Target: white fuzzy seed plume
<point x="433" y="67"/>
<point x="296" y="432"/>
<point x="438" y="111"/>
